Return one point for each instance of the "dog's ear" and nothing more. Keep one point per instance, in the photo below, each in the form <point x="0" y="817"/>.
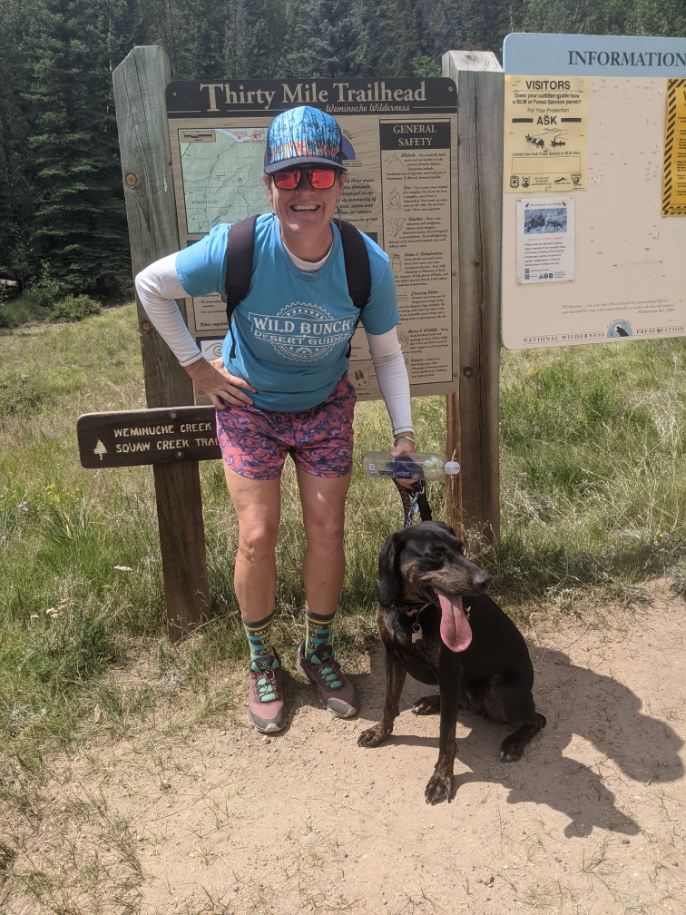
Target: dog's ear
<point x="458" y="545"/>
<point x="390" y="579"/>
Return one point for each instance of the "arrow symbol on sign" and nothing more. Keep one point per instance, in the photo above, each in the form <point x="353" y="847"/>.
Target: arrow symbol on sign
<point x="99" y="449"/>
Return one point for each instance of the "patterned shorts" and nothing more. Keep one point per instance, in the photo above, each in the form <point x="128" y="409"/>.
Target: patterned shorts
<point x="254" y="443"/>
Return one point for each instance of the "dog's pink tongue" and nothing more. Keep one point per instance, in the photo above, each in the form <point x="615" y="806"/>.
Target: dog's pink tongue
<point x="455" y="630"/>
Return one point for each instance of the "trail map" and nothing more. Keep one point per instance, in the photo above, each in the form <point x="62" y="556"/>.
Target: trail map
<point x="222" y="175"/>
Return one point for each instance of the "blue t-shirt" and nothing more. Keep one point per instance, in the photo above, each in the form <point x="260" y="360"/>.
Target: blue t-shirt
<point x="293" y="328"/>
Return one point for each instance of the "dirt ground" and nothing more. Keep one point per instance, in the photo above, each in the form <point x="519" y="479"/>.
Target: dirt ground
<point x="223" y="820"/>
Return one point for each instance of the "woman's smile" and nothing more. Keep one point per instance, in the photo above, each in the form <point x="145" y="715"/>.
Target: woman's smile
<point x="305" y="216"/>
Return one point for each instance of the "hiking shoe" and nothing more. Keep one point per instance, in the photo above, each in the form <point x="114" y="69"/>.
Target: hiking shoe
<point x="266" y="708"/>
<point x="335" y="690"/>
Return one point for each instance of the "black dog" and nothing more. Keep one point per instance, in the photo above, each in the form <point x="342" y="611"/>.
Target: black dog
<point x="475" y="654"/>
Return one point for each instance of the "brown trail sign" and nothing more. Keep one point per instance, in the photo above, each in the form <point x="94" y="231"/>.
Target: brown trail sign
<point x="134" y="437"/>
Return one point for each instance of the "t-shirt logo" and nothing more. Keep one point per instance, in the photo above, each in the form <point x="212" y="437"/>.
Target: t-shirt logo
<point x="302" y="332"/>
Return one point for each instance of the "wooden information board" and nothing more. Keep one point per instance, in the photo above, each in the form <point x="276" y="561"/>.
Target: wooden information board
<point x="401" y="191"/>
<point x="593" y="253"/>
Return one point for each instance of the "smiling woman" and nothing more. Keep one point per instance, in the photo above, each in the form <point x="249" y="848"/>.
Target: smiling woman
<point x="281" y="388"/>
<point x="305" y="202"/>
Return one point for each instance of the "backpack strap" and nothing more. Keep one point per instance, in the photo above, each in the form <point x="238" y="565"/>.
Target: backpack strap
<point x="357" y="270"/>
<point x="239" y="247"/>
<point x="239" y="252"/>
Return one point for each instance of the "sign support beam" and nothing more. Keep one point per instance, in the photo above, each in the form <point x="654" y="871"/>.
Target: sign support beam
<point x="473" y="413"/>
<point x="139" y="87"/>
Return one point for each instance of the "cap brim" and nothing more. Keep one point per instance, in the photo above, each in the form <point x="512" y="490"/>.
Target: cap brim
<point x="301" y="160"/>
<point x="347" y="151"/>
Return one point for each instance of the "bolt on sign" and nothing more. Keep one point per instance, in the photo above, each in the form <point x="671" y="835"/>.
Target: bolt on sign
<point x="401" y="191"/>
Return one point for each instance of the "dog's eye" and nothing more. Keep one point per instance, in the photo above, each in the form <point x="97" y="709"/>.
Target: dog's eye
<point x="434" y="560"/>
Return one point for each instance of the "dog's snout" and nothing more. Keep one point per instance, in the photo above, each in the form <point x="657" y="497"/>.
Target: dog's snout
<point x="481" y="579"/>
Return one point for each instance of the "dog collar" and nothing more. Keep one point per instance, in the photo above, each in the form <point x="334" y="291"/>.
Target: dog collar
<point x="415" y="611"/>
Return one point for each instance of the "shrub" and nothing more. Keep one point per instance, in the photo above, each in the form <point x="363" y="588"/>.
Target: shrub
<point x="74" y="308"/>
<point x="20" y="311"/>
<point x="21" y="393"/>
<point x="45" y="291"/>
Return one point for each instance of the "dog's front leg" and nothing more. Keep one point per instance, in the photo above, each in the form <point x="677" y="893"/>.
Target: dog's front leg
<point x="395" y="679"/>
<point x="440" y="785"/>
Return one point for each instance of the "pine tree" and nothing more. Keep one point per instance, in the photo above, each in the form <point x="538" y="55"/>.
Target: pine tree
<point x="16" y="193"/>
<point x="657" y="17"/>
<point x="265" y="40"/>
<point x="300" y="60"/>
<point x="576" y="16"/>
<point x="336" y="44"/>
<point x="200" y="40"/>
<point x="371" y="22"/>
<point x="80" y="230"/>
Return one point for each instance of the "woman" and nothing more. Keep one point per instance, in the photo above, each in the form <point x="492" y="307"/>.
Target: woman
<point x="281" y="388"/>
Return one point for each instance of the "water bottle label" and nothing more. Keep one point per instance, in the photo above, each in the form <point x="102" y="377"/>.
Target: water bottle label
<point x="406" y="469"/>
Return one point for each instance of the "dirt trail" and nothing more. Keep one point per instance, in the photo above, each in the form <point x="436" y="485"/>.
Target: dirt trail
<point x="592" y="820"/>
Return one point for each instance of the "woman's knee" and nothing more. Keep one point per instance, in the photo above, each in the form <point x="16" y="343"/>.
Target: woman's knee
<point x="326" y="535"/>
<point x="257" y="540"/>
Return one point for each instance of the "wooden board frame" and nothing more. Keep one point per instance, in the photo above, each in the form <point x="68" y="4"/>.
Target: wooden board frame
<point x="473" y="413"/>
<point x="139" y="86"/>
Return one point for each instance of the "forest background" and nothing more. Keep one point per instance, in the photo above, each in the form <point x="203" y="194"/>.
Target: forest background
<point x="62" y="222"/>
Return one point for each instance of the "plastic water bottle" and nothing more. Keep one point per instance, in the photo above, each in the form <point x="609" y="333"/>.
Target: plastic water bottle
<point x="416" y="465"/>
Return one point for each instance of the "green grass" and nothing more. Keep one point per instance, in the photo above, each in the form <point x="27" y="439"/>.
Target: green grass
<point x="593" y="493"/>
<point x="593" y="464"/>
<point x="18" y="312"/>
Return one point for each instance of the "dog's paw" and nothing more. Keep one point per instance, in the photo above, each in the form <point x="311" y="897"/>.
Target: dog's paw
<point x="510" y="753"/>
<point x="439" y="788"/>
<point x="372" y="737"/>
<point x="427" y="705"/>
<point x="512" y="747"/>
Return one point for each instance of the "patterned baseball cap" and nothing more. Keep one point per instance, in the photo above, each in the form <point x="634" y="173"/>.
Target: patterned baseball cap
<point x="305" y="136"/>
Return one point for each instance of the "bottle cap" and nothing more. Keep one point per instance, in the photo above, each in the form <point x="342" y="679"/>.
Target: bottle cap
<point x="452" y="467"/>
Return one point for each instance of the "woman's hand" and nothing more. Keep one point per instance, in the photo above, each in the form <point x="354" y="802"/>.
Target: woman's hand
<point x="223" y="388"/>
<point x="404" y="444"/>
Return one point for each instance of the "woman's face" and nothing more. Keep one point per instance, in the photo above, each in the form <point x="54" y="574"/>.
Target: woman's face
<point x="305" y="215"/>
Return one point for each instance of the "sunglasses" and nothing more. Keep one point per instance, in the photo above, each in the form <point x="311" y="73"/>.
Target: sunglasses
<point x="319" y="179"/>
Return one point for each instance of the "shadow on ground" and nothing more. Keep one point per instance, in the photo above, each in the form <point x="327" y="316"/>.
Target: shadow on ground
<point x="578" y="703"/>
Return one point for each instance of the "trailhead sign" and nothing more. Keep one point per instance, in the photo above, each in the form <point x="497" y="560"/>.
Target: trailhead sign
<point x="401" y="190"/>
<point x="594" y="189"/>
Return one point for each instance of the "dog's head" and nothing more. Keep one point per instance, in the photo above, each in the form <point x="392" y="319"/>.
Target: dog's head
<point x="426" y="562"/>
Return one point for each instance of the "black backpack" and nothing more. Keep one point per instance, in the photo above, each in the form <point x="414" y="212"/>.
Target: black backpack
<point x="240" y="246"/>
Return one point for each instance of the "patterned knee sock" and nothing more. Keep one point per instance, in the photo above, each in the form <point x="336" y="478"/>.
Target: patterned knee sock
<point x="258" y="636"/>
<point x="317" y="630"/>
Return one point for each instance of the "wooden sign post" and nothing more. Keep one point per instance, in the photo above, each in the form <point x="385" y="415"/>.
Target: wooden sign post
<point x="473" y="413"/>
<point x="139" y="86"/>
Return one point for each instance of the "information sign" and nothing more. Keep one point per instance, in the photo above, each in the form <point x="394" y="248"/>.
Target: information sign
<point x="546" y="121"/>
<point x="594" y="55"/>
<point x="590" y="253"/>
<point x="401" y="191"/>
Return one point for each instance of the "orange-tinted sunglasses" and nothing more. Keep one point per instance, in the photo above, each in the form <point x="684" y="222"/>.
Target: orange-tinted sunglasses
<point x="319" y="179"/>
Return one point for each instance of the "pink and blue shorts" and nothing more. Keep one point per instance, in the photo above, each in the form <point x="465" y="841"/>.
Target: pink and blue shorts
<point x="255" y="443"/>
